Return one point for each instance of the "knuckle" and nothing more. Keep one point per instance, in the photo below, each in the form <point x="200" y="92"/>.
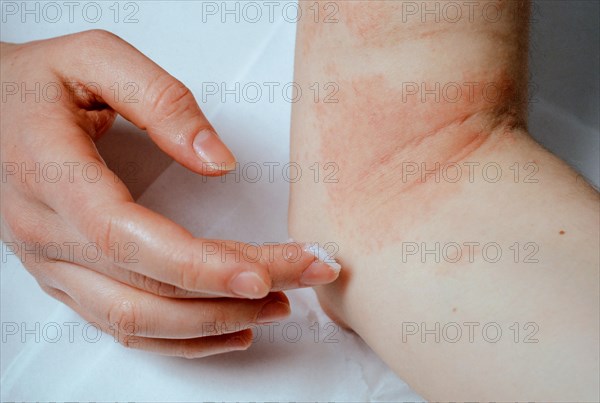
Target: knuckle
<point x="210" y="328"/>
<point x="101" y="228"/>
<point x="98" y="37"/>
<point x="168" y="290"/>
<point x="23" y="236"/>
<point x="189" y="277"/>
<point x="184" y="263"/>
<point x="168" y="97"/>
<point x="161" y="289"/>
<point x="20" y="229"/>
<point x="149" y="284"/>
<point x="27" y="243"/>
<point x="220" y="319"/>
<point x="89" y="45"/>
<point x="152" y="285"/>
<point x="123" y="315"/>
<point x="136" y="279"/>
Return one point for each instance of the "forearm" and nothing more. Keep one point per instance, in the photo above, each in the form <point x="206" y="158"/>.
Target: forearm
<point x="399" y="156"/>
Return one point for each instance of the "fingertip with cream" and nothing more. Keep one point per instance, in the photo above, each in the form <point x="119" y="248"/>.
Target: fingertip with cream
<point x="323" y="270"/>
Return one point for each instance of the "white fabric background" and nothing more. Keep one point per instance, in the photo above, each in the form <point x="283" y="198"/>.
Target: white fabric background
<point x="173" y="34"/>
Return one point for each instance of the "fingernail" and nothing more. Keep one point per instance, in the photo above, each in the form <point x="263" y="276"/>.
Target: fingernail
<point x="273" y="310"/>
<point x="211" y="150"/>
<point x="249" y="285"/>
<point x="318" y="273"/>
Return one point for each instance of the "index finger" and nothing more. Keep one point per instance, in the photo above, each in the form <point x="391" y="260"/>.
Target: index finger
<point x="143" y="93"/>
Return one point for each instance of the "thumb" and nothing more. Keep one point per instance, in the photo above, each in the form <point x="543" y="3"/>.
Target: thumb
<point x="147" y="96"/>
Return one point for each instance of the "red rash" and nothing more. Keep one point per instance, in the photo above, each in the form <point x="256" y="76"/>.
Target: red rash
<point x="377" y="128"/>
<point x="401" y="104"/>
<point x="385" y="23"/>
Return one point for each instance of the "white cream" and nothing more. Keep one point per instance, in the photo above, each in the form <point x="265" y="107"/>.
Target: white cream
<point x="321" y="254"/>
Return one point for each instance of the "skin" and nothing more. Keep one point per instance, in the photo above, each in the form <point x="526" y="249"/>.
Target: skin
<point x="377" y="134"/>
<point x="154" y="287"/>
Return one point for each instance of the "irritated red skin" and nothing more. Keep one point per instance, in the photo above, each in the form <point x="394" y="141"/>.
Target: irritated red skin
<point x="377" y="24"/>
<point x="374" y="131"/>
<point x="376" y="127"/>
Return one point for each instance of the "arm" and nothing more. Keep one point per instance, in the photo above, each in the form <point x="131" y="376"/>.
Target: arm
<point x="417" y="173"/>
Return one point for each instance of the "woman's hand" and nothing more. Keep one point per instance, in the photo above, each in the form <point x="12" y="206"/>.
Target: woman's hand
<point x="76" y="227"/>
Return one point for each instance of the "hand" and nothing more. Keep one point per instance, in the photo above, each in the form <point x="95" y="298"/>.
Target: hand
<point x="77" y="229"/>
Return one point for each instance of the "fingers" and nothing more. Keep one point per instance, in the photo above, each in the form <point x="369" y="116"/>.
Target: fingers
<point x="192" y="348"/>
<point x="148" y="96"/>
<point x="168" y="253"/>
<point x="58" y="242"/>
<point x="43" y="237"/>
<point x="187" y="348"/>
<point x="70" y="247"/>
<point x="131" y="311"/>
